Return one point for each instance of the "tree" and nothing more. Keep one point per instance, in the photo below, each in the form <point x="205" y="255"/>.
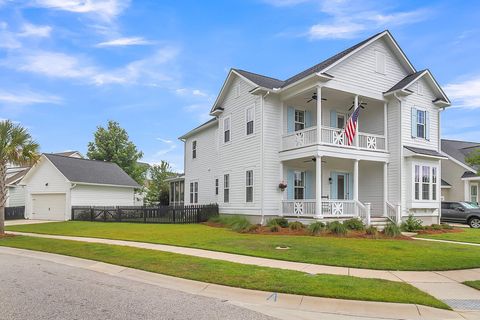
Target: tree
<point x="113" y="144"/>
<point x="473" y="159"/>
<point x="17" y="148"/>
<point x="158" y="187"/>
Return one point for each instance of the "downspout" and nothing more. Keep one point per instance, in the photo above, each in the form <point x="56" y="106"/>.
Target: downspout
<point x="400" y="170"/>
<point x="262" y="192"/>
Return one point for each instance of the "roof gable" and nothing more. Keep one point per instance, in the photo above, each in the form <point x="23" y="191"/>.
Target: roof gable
<point x="459" y="150"/>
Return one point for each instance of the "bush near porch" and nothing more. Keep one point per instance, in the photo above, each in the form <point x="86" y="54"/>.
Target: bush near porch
<point x="387" y="254"/>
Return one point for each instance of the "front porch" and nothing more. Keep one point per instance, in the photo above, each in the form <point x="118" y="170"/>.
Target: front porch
<point x="329" y="187"/>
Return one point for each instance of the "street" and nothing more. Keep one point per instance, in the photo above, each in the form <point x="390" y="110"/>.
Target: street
<point x="36" y="289"/>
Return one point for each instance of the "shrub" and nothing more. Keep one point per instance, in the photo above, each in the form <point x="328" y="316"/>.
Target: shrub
<point x="372" y="231"/>
<point x="274" y="228"/>
<point x="296" y="225"/>
<point x="337" y="228"/>
<point x="282" y="222"/>
<point x="446" y="226"/>
<point x="236" y="223"/>
<point x="392" y="230"/>
<point x="354" y="224"/>
<point x="436" y="227"/>
<point x="412" y="224"/>
<point x="316" y="227"/>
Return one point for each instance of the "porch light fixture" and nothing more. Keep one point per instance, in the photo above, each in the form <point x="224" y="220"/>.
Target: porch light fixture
<point x="330" y="180"/>
<point x="282" y="186"/>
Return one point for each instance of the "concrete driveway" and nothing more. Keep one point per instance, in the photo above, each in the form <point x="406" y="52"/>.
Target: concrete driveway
<point x="38" y="289"/>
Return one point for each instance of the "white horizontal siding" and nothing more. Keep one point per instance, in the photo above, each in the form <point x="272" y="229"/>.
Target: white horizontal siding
<point x="16" y="196"/>
<point x="89" y="195"/>
<point x="452" y="173"/>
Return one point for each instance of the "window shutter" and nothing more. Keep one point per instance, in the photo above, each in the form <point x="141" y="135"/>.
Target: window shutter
<point x="427" y="125"/>
<point x="309" y="194"/>
<point x="333" y="118"/>
<point x="290" y="119"/>
<point x="290" y="184"/>
<point x="308" y="119"/>
<point x="414" y="122"/>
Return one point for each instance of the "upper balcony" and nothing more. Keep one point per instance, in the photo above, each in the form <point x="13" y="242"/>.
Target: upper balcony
<point x="302" y="112"/>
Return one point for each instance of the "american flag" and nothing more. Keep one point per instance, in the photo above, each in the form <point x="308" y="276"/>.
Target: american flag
<point x="351" y="127"/>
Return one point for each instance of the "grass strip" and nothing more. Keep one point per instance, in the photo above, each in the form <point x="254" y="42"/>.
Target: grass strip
<point x="232" y="274"/>
<point x="381" y="254"/>
<point x="473" y="284"/>
<point x="468" y="235"/>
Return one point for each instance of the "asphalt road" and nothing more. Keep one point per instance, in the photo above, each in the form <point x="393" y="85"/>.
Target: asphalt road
<point x="36" y="289"/>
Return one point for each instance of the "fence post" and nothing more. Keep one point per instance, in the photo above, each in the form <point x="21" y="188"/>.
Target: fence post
<point x="173" y="213"/>
<point x="91" y="214"/>
<point x="144" y="210"/>
<point x="73" y="215"/>
<point x="119" y="214"/>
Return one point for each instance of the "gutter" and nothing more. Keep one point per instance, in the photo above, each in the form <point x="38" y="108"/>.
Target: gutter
<point x="400" y="170"/>
<point x="262" y="192"/>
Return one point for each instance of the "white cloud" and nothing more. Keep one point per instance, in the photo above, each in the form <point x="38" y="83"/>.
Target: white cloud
<point x="8" y="40"/>
<point x="105" y="9"/>
<point x="30" y="30"/>
<point x="339" y="30"/>
<point x="120" y="42"/>
<point x="465" y="94"/>
<point x="193" y="92"/>
<point x="27" y="98"/>
<point x="170" y="147"/>
<point x="151" y="71"/>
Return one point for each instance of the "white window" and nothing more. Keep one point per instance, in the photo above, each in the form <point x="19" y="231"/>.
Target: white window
<point x="194" y="149"/>
<point x="380" y="62"/>
<point x="216" y="187"/>
<point x="249" y="185"/>
<point x="194" y="192"/>
<point x="340" y="120"/>
<point x="249" y="117"/>
<point x="425" y="183"/>
<point x="226" y="188"/>
<point x="421" y="124"/>
<point x="299" y="185"/>
<point x="299" y="120"/>
<point x="226" y="130"/>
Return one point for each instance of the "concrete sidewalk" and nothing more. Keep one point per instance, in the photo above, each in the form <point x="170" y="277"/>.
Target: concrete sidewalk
<point x="284" y="306"/>
<point x="444" y="285"/>
<point x="25" y="221"/>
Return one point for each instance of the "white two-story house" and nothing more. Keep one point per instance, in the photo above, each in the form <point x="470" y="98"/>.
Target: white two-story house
<point x="278" y="148"/>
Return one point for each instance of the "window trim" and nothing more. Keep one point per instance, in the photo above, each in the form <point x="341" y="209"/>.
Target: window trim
<point x="229" y="118"/>
<point x="304" y="123"/>
<point x="432" y="168"/>
<point x="303" y="175"/>
<point x="425" y="124"/>
<point x="252" y="186"/>
<point x="226" y="186"/>
<point x="194" y="149"/>
<point x="193" y="190"/>
<point x="252" y="108"/>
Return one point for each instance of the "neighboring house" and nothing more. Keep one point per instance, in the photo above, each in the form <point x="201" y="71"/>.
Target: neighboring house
<point x="56" y="183"/>
<point x="15" y="192"/>
<point x="268" y="133"/>
<point x="177" y="189"/>
<point x="460" y="181"/>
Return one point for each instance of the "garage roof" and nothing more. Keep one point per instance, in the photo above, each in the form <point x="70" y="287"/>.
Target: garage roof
<point x="91" y="171"/>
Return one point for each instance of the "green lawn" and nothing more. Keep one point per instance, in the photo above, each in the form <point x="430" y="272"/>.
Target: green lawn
<point x="468" y="235"/>
<point x="351" y="252"/>
<point x="233" y="274"/>
<point x="473" y="284"/>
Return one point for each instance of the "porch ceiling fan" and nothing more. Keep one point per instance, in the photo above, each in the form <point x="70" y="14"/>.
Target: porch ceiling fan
<point x="313" y="159"/>
<point x="361" y="104"/>
<point x="314" y="97"/>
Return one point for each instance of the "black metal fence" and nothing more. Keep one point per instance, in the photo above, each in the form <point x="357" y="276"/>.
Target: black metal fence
<point x="12" y="213"/>
<point x="143" y="214"/>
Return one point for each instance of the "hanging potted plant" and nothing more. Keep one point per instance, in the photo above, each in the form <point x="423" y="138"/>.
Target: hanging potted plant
<point x="282" y="185"/>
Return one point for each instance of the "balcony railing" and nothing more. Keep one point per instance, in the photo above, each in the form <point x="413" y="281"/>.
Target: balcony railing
<point x="333" y="137"/>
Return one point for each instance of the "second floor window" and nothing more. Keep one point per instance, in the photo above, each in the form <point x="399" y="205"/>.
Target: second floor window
<point x="249" y="120"/>
<point x="421" y="124"/>
<point x="249" y="186"/>
<point x="194" y="149"/>
<point x="299" y="120"/>
<point x="226" y="130"/>
<point x="226" y="188"/>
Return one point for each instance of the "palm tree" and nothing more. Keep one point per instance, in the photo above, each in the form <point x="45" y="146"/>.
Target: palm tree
<point x="17" y="148"/>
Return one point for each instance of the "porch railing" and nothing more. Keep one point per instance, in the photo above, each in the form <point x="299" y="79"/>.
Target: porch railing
<point x="299" y="208"/>
<point x="301" y="138"/>
<point x="371" y="141"/>
<point x="393" y="213"/>
<point x="334" y="136"/>
<point x="339" y="208"/>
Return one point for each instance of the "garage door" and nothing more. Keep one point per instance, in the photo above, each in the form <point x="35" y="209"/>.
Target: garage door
<point x="48" y="206"/>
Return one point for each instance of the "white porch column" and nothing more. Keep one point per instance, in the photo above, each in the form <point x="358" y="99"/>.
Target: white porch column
<point x="355" y="180"/>
<point x="466" y="190"/>
<point x="319" y="114"/>
<point x="358" y="121"/>
<point x="318" y="186"/>
<point x="385" y="188"/>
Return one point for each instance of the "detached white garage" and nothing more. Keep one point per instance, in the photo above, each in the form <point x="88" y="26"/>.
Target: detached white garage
<point x="57" y="182"/>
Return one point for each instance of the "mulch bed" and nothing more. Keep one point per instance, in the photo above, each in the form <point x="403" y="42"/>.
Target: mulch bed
<point x="431" y="231"/>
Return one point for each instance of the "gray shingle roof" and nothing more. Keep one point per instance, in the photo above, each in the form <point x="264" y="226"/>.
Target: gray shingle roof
<point x="196" y="128"/>
<point x="426" y="152"/>
<point x="459" y="150"/>
<point x="270" y="83"/>
<point x="469" y="174"/>
<point x="405" y="81"/>
<point x="445" y="184"/>
<point x="91" y="171"/>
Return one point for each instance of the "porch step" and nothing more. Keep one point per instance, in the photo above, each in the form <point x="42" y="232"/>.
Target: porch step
<point x="379" y="222"/>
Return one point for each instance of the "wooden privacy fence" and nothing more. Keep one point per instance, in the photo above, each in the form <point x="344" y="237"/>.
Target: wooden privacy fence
<point x="12" y="213"/>
<point x="143" y="214"/>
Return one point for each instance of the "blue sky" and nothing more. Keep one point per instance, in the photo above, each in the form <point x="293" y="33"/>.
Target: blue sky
<point x="68" y="66"/>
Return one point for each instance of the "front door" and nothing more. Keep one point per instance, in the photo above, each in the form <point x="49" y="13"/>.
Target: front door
<point x="341" y="186"/>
